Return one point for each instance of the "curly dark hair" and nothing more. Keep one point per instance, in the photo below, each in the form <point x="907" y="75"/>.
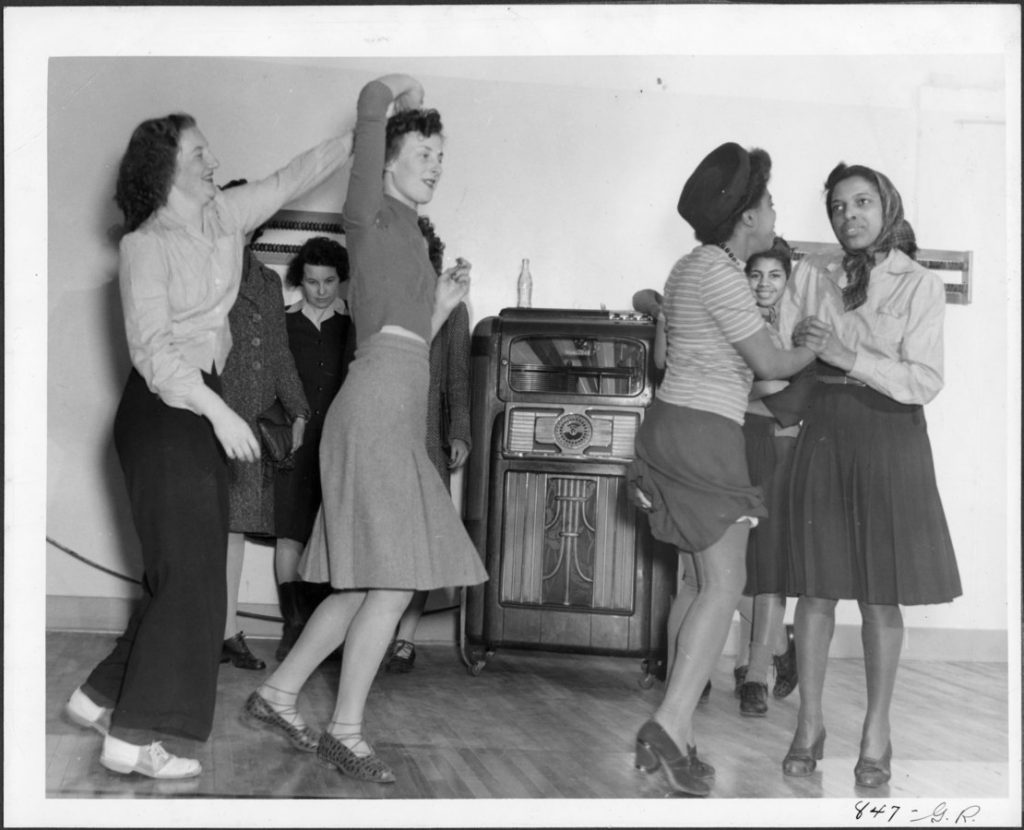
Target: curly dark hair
<point x="435" y="246"/>
<point x="757" y="186"/>
<point x="424" y="122"/>
<point x="147" y="167"/>
<point x="317" y="250"/>
<point x="779" y="250"/>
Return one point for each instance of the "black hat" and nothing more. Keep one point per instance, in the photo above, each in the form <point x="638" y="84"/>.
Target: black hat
<point x="716" y="188"/>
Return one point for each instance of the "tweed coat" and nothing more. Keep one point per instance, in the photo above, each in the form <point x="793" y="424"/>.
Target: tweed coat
<point x="259" y="369"/>
<point x="448" y="395"/>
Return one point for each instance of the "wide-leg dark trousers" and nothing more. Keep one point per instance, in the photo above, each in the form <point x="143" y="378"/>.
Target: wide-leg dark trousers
<point x="162" y="674"/>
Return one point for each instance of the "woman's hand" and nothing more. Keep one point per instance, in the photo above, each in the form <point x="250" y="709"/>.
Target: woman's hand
<point x="235" y="435"/>
<point x="821" y="339"/>
<point x="298" y="431"/>
<point x="459" y="453"/>
<point x="452" y="286"/>
<point x="406" y="91"/>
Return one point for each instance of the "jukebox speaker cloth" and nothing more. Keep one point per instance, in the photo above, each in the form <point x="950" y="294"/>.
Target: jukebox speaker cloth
<point x="387" y="520"/>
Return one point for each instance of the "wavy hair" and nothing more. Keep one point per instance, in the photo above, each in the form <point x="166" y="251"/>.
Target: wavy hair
<point x="147" y="167"/>
<point x="317" y="250"/>
<point x="858" y="263"/>
<point x="424" y="122"/>
<point x="435" y="245"/>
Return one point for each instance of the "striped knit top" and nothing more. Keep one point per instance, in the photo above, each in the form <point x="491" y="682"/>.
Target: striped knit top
<point x="708" y="307"/>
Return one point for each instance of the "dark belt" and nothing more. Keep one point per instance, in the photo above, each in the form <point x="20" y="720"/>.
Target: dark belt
<point x="846" y="379"/>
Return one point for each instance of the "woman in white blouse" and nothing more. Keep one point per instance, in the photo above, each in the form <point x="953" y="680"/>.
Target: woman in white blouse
<point x="866" y="518"/>
<point x="180" y="269"/>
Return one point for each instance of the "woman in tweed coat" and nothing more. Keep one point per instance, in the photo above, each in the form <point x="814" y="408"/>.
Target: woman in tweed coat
<point x="259" y="370"/>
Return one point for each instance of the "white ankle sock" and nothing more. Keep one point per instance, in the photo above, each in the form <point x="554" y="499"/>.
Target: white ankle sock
<point x="120" y="750"/>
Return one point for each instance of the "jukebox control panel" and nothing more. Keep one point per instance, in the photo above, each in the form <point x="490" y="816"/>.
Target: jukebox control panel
<point x="570" y="431"/>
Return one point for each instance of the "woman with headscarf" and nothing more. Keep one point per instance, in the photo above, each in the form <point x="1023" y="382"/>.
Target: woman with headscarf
<point x="690" y="471"/>
<point x="866" y="518"/>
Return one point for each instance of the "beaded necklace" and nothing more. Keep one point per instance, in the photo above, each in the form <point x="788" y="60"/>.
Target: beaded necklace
<point x="731" y="255"/>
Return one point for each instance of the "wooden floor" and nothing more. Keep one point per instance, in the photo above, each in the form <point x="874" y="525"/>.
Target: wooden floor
<point x="537" y="725"/>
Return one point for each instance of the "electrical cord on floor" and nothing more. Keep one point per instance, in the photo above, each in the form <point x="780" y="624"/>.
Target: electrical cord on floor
<point x="252" y="615"/>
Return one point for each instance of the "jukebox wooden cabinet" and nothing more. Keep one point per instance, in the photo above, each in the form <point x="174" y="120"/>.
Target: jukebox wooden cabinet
<point x="558" y="397"/>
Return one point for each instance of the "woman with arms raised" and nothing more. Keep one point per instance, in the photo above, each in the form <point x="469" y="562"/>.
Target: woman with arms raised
<point x="387" y="526"/>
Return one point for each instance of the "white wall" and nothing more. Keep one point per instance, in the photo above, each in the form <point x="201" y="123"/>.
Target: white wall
<point x="576" y="164"/>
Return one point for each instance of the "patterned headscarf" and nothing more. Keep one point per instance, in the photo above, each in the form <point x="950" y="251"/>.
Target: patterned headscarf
<point x="858" y="263"/>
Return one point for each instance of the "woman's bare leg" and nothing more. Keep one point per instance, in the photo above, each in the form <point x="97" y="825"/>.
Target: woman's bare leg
<point x="882" y="636"/>
<point x="686" y="593"/>
<point x="815" y="622"/>
<point x="368" y="637"/>
<point x="721" y="574"/>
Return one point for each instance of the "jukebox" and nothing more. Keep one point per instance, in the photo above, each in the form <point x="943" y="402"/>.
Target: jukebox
<point x="558" y="397"/>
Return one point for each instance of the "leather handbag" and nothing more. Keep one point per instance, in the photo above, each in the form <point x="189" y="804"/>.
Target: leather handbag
<point x="275" y="429"/>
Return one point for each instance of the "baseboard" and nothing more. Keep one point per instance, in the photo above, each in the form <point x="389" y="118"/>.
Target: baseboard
<point x="105" y="614"/>
<point x="110" y="615"/>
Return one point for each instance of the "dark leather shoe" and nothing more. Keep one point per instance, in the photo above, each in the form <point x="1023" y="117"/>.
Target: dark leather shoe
<point x="754" y="699"/>
<point x="655" y="749"/>
<point x="802" y="761"/>
<point x="236" y="650"/>
<point x="739" y="674"/>
<point x="401" y="656"/>
<point x="873" y="773"/>
<point x="785" y="668"/>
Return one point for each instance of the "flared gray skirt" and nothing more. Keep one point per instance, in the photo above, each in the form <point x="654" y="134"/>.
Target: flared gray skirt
<point x="386" y="520"/>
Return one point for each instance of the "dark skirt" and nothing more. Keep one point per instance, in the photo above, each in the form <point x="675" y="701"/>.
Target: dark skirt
<point x="770" y="460"/>
<point x="693" y="467"/>
<point x="297" y="490"/>
<point x="865" y="515"/>
<point x="387" y="520"/>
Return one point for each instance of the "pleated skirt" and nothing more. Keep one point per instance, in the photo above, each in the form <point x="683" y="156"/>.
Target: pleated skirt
<point x="386" y="519"/>
<point x="770" y="461"/>
<point x="692" y="466"/>
<point x="866" y="520"/>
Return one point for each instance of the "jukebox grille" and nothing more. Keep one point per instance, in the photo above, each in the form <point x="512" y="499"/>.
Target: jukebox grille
<point x="565" y="544"/>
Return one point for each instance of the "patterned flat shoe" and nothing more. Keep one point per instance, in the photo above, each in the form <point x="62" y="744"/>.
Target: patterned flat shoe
<point x="303" y="738"/>
<point x="333" y="753"/>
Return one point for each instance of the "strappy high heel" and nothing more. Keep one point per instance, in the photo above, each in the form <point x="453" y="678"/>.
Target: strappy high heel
<point x="870" y="772"/>
<point x="258" y="708"/>
<point x="802" y="761"/>
<point x="655" y="749"/>
<point x="333" y="753"/>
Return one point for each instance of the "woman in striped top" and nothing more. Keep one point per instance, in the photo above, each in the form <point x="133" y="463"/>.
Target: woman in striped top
<point x="690" y="472"/>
